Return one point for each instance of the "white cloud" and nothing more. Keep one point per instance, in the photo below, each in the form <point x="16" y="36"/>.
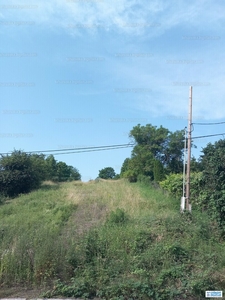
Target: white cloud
<point x="146" y="18"/>
<point x="128" y="16"/>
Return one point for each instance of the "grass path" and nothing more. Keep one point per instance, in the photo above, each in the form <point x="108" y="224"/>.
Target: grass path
<point x="44" y="236"/>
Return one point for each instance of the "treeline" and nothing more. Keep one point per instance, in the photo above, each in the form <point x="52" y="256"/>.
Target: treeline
<point x="21" y="172"/>
<point x="158" y="157"/>
<point x="157" y="152"/>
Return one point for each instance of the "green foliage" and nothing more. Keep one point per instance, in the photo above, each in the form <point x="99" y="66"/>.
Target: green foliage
<point x="158" y="171"/>
<point x="117" y="176"/>
<point x="144" y="179"/>
<point x="150" y="252"/>
<point x="51" y="166"/>
<point x="118" y="217"/>
<point x="213" y="195"/>
<point x="157" y="152"/>
<point x="196" y="165"/>
<point x="128" y="289"/>
<point x="107" y="173"/>
<point x="31" y="245"/>
<point x="164" y="146"/>
<point x="60" y="171"/>
<point x="150" y="135"/>
<point x="20" y="173"/>
<point x="131" y="175"/>
<point x="73" y="174"/>
<point x="125" y="166"/>
<point x="177" y="252"/>
<point x="173" y="152"/>
<point x="173" y="184"/>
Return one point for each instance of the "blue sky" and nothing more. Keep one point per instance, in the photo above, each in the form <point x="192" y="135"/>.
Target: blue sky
<point x="83" y="73"/>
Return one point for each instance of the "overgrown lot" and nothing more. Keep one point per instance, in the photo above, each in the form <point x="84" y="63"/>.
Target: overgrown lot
<point x="108" y="239"/>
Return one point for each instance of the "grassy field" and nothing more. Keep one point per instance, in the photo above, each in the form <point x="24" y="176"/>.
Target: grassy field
<point x="109" y="239"/>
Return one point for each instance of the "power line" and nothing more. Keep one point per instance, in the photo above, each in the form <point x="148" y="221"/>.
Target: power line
<point x="101" y="148"/>
<point x="83" y="148"/>
<point x="202" y="136"/>
<point x="93" y="150"/>
<point x="209" y="123"/>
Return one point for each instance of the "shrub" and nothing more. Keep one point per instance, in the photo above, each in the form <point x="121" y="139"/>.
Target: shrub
<point x="19" y="173"/>
<point x="130" y="175"/>
<point x="144" y="179"/>
<point x="117" y="217"/>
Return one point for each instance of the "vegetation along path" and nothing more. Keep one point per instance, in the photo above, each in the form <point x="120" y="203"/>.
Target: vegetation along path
<point x="107" y="239"/>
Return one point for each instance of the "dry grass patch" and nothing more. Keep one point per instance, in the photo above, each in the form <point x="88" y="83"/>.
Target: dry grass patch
<point x="111" y="194"/>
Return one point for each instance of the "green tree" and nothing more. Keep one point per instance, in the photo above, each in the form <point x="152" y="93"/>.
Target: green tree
<point x="213" y="193"/>
<point x="107" y="173"/>
<point x="74" y="173"/>
<point x="172" y="152"/>
<point x="158" y="171"/>
<point x="150" y="136"/>
<point x="62" y="171"/>
<point x="142" y="161"/>
<point x="196" y="165"/>
<point x="151" y="144"/>
<point x="125" y="166"/>
<point x="131" y="175"/>
<point x="51" y="166"/>
<point x="20" y="173"/>
<point x="39" y="165"/>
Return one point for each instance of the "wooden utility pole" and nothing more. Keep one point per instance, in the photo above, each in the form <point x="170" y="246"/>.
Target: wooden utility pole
<point x="188" y="205"/>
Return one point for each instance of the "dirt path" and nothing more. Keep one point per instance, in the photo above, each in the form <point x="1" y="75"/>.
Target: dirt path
<point x="21" y="292"/>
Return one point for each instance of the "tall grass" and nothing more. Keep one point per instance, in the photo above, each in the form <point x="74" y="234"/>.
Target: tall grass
<point x="110" y="239"/>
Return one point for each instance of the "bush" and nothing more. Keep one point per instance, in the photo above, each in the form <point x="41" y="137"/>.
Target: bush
<point x="20" y="173"/>
<point x="144" y="179"/>
<point x="107" y="173"/>
<point x="173" y="184"/>
<point x="130" y="175"/>
<point x="158" y="171"/>
<point x="117" y="217"/>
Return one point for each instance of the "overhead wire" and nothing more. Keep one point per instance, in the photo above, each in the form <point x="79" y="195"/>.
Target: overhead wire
<point x="92" y="150"/>
<point x="100" y="148"/>
<point x="209" y="123"/>
<point x="202" y="136"/>
<point x="82" y="148"/>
